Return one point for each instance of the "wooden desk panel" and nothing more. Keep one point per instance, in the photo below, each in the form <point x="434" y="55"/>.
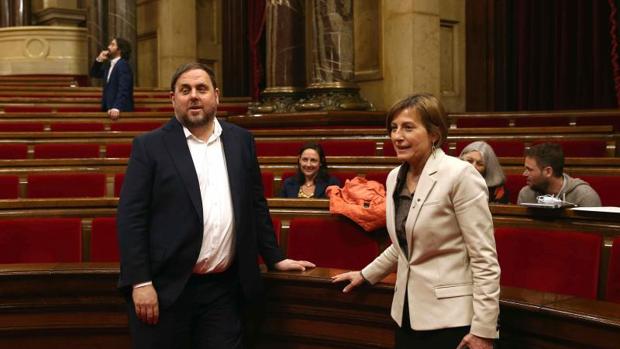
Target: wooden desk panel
<point x="78" y="306"/>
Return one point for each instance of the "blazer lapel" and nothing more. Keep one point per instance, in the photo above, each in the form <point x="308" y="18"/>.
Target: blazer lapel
<point x="425" y="186"/>
<point x="175" y="141"/>
<point x="390" y="211"/>
<point x="232" y="154"/>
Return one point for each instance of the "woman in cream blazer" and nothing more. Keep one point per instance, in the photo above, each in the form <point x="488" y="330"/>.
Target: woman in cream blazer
<point x="447" y="275"/>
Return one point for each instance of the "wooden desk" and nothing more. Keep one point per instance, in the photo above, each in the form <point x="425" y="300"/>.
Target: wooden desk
<point x="78" y="306"/>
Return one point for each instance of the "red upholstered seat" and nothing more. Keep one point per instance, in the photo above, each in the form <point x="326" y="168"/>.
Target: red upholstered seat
<point x="118" y="150"/>
<point x="349" y="148"/>
<point x="271" y="148"/>
<point x="388" y="148"/>
<point x="607" y="187"/>
<point x="9" y="186"/>
<point x="542" y="121"/>
<point x="613" y="273"/>
<point x="13" y="151"/>
<point x="331" y="242"/>
<point x="118" y="183"/>
<point x="65" y="185"/>
<point x="482" y="122"/>
<point x="77" y="126"/>
<point x="514" y="183"/>
<point x="135" y="126"/>
<point x="103" y="240"/>
<point x="80" y="109"/>
<point x="564" y="262"/>
<point x="583" y="148"/>
<point x="267" y="178"/>
<point x="66" y="150"/>
<point x="41" y="240"/>
<point x="343" y="176"/>
<point x="27" y="109"/>
<point x="380" y="177"/>
<point x="21" y="127"/>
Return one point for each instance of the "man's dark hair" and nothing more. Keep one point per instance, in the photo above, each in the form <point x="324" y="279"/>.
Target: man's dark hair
<point x="192" y="66"/>
<point x="548" y="154"/>
<point x="124" y="46"/>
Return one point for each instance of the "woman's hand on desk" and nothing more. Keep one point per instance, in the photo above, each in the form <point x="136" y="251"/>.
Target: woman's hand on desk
<point x="355" y="279"/>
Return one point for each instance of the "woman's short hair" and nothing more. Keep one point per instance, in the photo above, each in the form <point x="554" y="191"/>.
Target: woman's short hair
<point x="494" y="174"/>
<point x="323" y="174"/>
<point x="431" y="113"/>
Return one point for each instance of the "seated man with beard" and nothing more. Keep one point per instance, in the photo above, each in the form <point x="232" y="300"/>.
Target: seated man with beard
<point x="544" y="169"/>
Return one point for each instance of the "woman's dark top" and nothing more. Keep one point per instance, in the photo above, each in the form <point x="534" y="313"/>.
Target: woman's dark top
<point x="290" y="187"/>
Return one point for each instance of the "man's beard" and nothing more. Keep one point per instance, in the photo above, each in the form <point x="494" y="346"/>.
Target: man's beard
<point x="198" y="121"/>
<point x="540" y="187"/>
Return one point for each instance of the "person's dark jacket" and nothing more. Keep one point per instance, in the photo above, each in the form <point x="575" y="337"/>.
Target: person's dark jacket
<point x="290" y="187"/>
<point x="160" y="220"/>
<point x="118" y="91"/>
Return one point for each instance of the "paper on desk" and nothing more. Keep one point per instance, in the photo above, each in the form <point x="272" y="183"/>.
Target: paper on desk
<point x="605" y="209"/>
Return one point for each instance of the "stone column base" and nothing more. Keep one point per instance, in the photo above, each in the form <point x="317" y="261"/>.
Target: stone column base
<point x="277" y="100"/>
<point x="333" y="96"/>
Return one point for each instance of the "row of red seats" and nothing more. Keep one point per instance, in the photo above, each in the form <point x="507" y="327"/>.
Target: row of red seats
<point x="31" y="126"/>
<point x="89" y="108"/>
<point x="576" y="148"/>
<point x="64" y="150"/>
<point x="535" y="121"/>
<point x="66" y="185"/>
<point x="565" y="262"/>
<point x="77" y="108"/>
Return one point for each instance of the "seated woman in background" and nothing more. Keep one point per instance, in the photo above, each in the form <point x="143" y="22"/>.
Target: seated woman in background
<point x="311" y="178"/>
<point x="482" y="156"/>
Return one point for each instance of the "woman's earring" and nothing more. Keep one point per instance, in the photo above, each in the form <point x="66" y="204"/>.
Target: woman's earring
<point x="433" y="148"/>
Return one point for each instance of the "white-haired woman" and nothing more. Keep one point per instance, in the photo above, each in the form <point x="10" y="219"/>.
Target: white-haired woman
<point x="481" y="155"/>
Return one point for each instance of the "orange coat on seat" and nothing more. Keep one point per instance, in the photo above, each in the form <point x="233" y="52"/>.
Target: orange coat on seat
<point x="361" y="200"/>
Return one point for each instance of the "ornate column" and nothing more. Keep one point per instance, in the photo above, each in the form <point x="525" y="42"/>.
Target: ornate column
<point x="176" y="37"/>
<point x="96" y="27"/>
<point x="122" y="23"/>
<point x="22" y="13"/>
<point x="15" y="13"/>
<point x="5" y="13"/>
<point x="333" y="84"/>
<point x="286" y="68"/>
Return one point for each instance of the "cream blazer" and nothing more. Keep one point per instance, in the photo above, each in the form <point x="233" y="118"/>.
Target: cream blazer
<point x="451" y="277"/>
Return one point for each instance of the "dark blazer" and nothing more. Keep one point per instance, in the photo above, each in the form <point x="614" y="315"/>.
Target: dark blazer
<point x="118" y="91"/>
<point x="160" y="222"/>
<point x="290" y="187"/>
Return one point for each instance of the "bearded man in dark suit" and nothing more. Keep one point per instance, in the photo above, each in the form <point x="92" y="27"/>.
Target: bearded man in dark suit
<point x="192" y="219"/>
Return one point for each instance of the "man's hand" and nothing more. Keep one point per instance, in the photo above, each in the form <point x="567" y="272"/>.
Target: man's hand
<point x="355" y="279"/>
<point x="474" y="342"/>
<point x="114" y="114"/>
<point x="103" y="56"/>
<point x="289" y="264"/>
<point x="146" y="304"/>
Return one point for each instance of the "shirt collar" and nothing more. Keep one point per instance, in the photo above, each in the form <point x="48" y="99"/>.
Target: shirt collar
<point x="113" y="61"/>
<point x="217" y="132"/>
